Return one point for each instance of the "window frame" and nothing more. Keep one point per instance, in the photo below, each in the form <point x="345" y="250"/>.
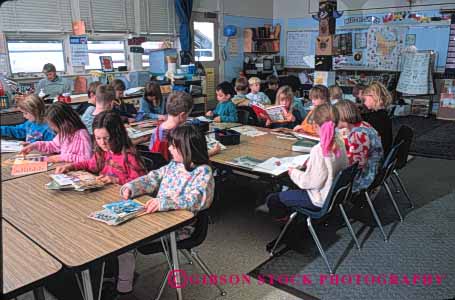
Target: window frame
<point x="125" y="61"/>
<point x="31" y="41"/>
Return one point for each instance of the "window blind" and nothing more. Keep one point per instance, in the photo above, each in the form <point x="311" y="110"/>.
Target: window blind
<point x="36" y="16"/>
<point x="157" y="18"/>
<point x="108" y="15"/>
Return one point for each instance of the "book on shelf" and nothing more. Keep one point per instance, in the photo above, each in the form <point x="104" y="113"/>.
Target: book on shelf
<point x="275" y="113"/>
<point x="118" y="212"/>
<point x="76" y="180"/>
<point x="29" y="164"/>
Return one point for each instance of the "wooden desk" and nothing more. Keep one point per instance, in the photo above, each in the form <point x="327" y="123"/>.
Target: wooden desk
<point x="7" y="164"/>
<point x="58" y="222"/>
<point x="25" y="264"/>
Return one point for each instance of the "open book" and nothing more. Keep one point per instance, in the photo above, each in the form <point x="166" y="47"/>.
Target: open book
<point x="298" y="135"/>
<point x="118" y="212"/>
<point x="11" y="146"/>
<point x="278" y="166"/>
<point x="274" y="113"/>
<point x="77" y="180"/>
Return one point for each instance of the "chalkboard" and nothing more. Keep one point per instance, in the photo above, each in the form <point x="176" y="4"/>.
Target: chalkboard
<point x="300" y="48"/>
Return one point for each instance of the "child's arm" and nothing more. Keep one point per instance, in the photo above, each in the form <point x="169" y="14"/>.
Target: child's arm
<point x="17" y="131"/>
<point x="47" y="147"/>
<point x="197" y="196"/>
<point x="86" y="165"/>
<point x="79" y="149"/>
<point x="146" y="184"/>
<point x="48" y="134"/>
<point x="315" y="174"/>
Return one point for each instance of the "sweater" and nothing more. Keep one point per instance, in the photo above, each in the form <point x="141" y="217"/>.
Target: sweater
<point x="88" y="117"/>
<point x="176" y="188"/>
<point x="308" y="125"/>
<point x="75" y="149"/>
<point x="30" y="131"/>
<point x="363" y="145"/>
<point x="320" y="172"/>
<point x="259" y="97"/>
<point x="226" y="111"/>
<point x="150" y="111"/>
<point x="383" y="124"/>
<point x="114" y="165"/>
<point x="54" y="87"/>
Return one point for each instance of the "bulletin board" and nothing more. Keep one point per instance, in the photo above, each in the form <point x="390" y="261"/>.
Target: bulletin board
<point x="300" y="48"/>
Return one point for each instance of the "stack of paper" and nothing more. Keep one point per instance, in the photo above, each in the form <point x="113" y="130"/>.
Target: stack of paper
<point x="249" y="131"/>
<point x="278" y="166"/>
<point x="11" y="146"/>
<point x="118" y="212"/>
<point x="78" y="180"/>
<point x="135" y="133"/>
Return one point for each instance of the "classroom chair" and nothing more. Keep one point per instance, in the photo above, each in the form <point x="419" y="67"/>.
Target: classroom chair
<point x="404" y="136"/>
<point x="152" y="161"/>
<point x="243" y="116"/>
<point x="247" y="116"/>
<point x="380" y="181"/>
<point x="339" y="193"/>
<point x="186" y="246"/>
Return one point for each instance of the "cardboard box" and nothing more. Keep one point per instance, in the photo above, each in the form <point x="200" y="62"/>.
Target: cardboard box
<point x="324" y="45"/>
<point x="327" y="26"/>
<point x="323" y="63"/>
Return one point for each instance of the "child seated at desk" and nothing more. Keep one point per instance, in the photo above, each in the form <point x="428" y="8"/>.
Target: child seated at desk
<point x="185" y="183"/>
<point x="225" y="110"/>
<point x="115" y="158"/>
<point x="104" y="96"/>
<point x="256" y="96"/>
<point x="127" y="111"/>
<point x="363" y="144"/>
<point x="91" y="94"/>
<point x="241" y="88"/>
<point x="326" y="159"/>
<point x="152" y="105"/>
<point x="292" y="106"/>
<point x="272" y="87"/>
<point x="319" y="95"/>
<point x="336" y="94"/>
<point x="72" y="142"/>
<point x="35" y="128"/>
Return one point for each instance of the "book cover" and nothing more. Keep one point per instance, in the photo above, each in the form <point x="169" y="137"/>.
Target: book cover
<point x="29" y="164"/>
<point x="79" y="180"/>
<point x="274" y="113"/>
<point x="304" y="145"/>
<point x="118" y="212"/>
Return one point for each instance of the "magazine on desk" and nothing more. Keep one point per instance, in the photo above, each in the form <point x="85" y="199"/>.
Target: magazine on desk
<point x="275" y="113"/>
<point x="76" y="180"/>
<point x="118" y="212"/>
<point x="136" y="133"/>
<point x="29" y="164"/>
<point x="274" y="166"/>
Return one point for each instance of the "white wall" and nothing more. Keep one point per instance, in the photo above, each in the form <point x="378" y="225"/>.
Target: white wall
<point x="247" y="8"/>
<point x="286" y="9"/>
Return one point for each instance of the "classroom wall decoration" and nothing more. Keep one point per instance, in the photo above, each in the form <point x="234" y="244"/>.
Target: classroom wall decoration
<point x="299" y="50"/>
<point x="416" y="73"/>
<point x="384" y="45"/>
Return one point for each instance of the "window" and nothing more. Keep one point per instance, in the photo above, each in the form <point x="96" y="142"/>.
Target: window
<point x="115" y="49"/>
<point x="30" y="56"/>
<point x="204" y="41"/>
<point x="148" y="46"/>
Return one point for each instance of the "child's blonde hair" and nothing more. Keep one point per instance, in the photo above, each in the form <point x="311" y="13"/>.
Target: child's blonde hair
<point x="335" y="92"/>
<point x="380" y="94"/>
<point x="348" y="112"/>
<point x="325" y="112"/>
<point x="319" y="92"/>
<point x="287" y="92"/>
<point x="241" y="85"/>
<point x="254" y="80"/>
<point x="33" y="105"/>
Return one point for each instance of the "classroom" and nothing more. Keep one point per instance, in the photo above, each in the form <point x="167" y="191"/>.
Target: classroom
<point x="227" y="149"/>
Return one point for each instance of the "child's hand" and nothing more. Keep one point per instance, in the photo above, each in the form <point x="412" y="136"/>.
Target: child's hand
<point x="217" y="119"/>
<point x="268" y="123"/>
<point x="27" y="149"/>
<point x="54" y="159"/>
<point x="290" y="117"/>
<point x="152" y="205"/>
<point x="63" y="169"/>
<point x="162" y="117"/>
<point x="209" y="113"/>
<point x="290" y="170"/>
<point x="107" y="179"/>
<point x="215" y="150"/>
<point x="297" y="128"/>
<point x="23" y="144"/>
<point x="126" y="194"/>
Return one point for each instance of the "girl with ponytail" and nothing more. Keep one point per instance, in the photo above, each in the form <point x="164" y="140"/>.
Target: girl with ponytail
<point x="326" y="159"/>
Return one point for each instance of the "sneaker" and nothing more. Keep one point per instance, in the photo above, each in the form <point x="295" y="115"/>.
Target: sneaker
<point x="262" y="208"/>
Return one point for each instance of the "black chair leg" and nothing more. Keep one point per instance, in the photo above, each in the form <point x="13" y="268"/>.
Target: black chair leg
<point x="375" y="215"/>
<point x="283" y="231"/>
<point x="318" y="244"/>
<point x="397" y="176"/>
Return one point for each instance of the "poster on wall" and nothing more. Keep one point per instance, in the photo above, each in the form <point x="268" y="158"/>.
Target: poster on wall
<point x="416" y="76"/>
<point x="79" y="51"/>
<point x="384" y="45"/>
<point x="298" y="49"/>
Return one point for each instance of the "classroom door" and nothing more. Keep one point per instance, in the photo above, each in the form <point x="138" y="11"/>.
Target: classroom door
<point x="205" y="48"/>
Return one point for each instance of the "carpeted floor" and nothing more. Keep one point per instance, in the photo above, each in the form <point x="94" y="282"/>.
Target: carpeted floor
<point x="433" y="138"/>
<point x="421" y="245"/>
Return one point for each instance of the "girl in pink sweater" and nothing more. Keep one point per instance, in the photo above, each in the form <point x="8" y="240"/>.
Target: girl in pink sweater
<point x="72" y="142"/>
<point x="326" y="159"/>
<point x="115" y="158"/>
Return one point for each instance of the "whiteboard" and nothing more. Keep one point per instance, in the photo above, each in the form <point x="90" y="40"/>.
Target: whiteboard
<point x="300" y="48"/>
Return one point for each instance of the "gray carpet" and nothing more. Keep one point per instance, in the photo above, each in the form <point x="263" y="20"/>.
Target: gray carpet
<point x="422" y="244"/>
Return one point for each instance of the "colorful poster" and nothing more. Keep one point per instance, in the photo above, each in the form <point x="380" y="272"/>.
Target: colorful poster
<point x="79" y="51"/>
<point x="384" y="46"/>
